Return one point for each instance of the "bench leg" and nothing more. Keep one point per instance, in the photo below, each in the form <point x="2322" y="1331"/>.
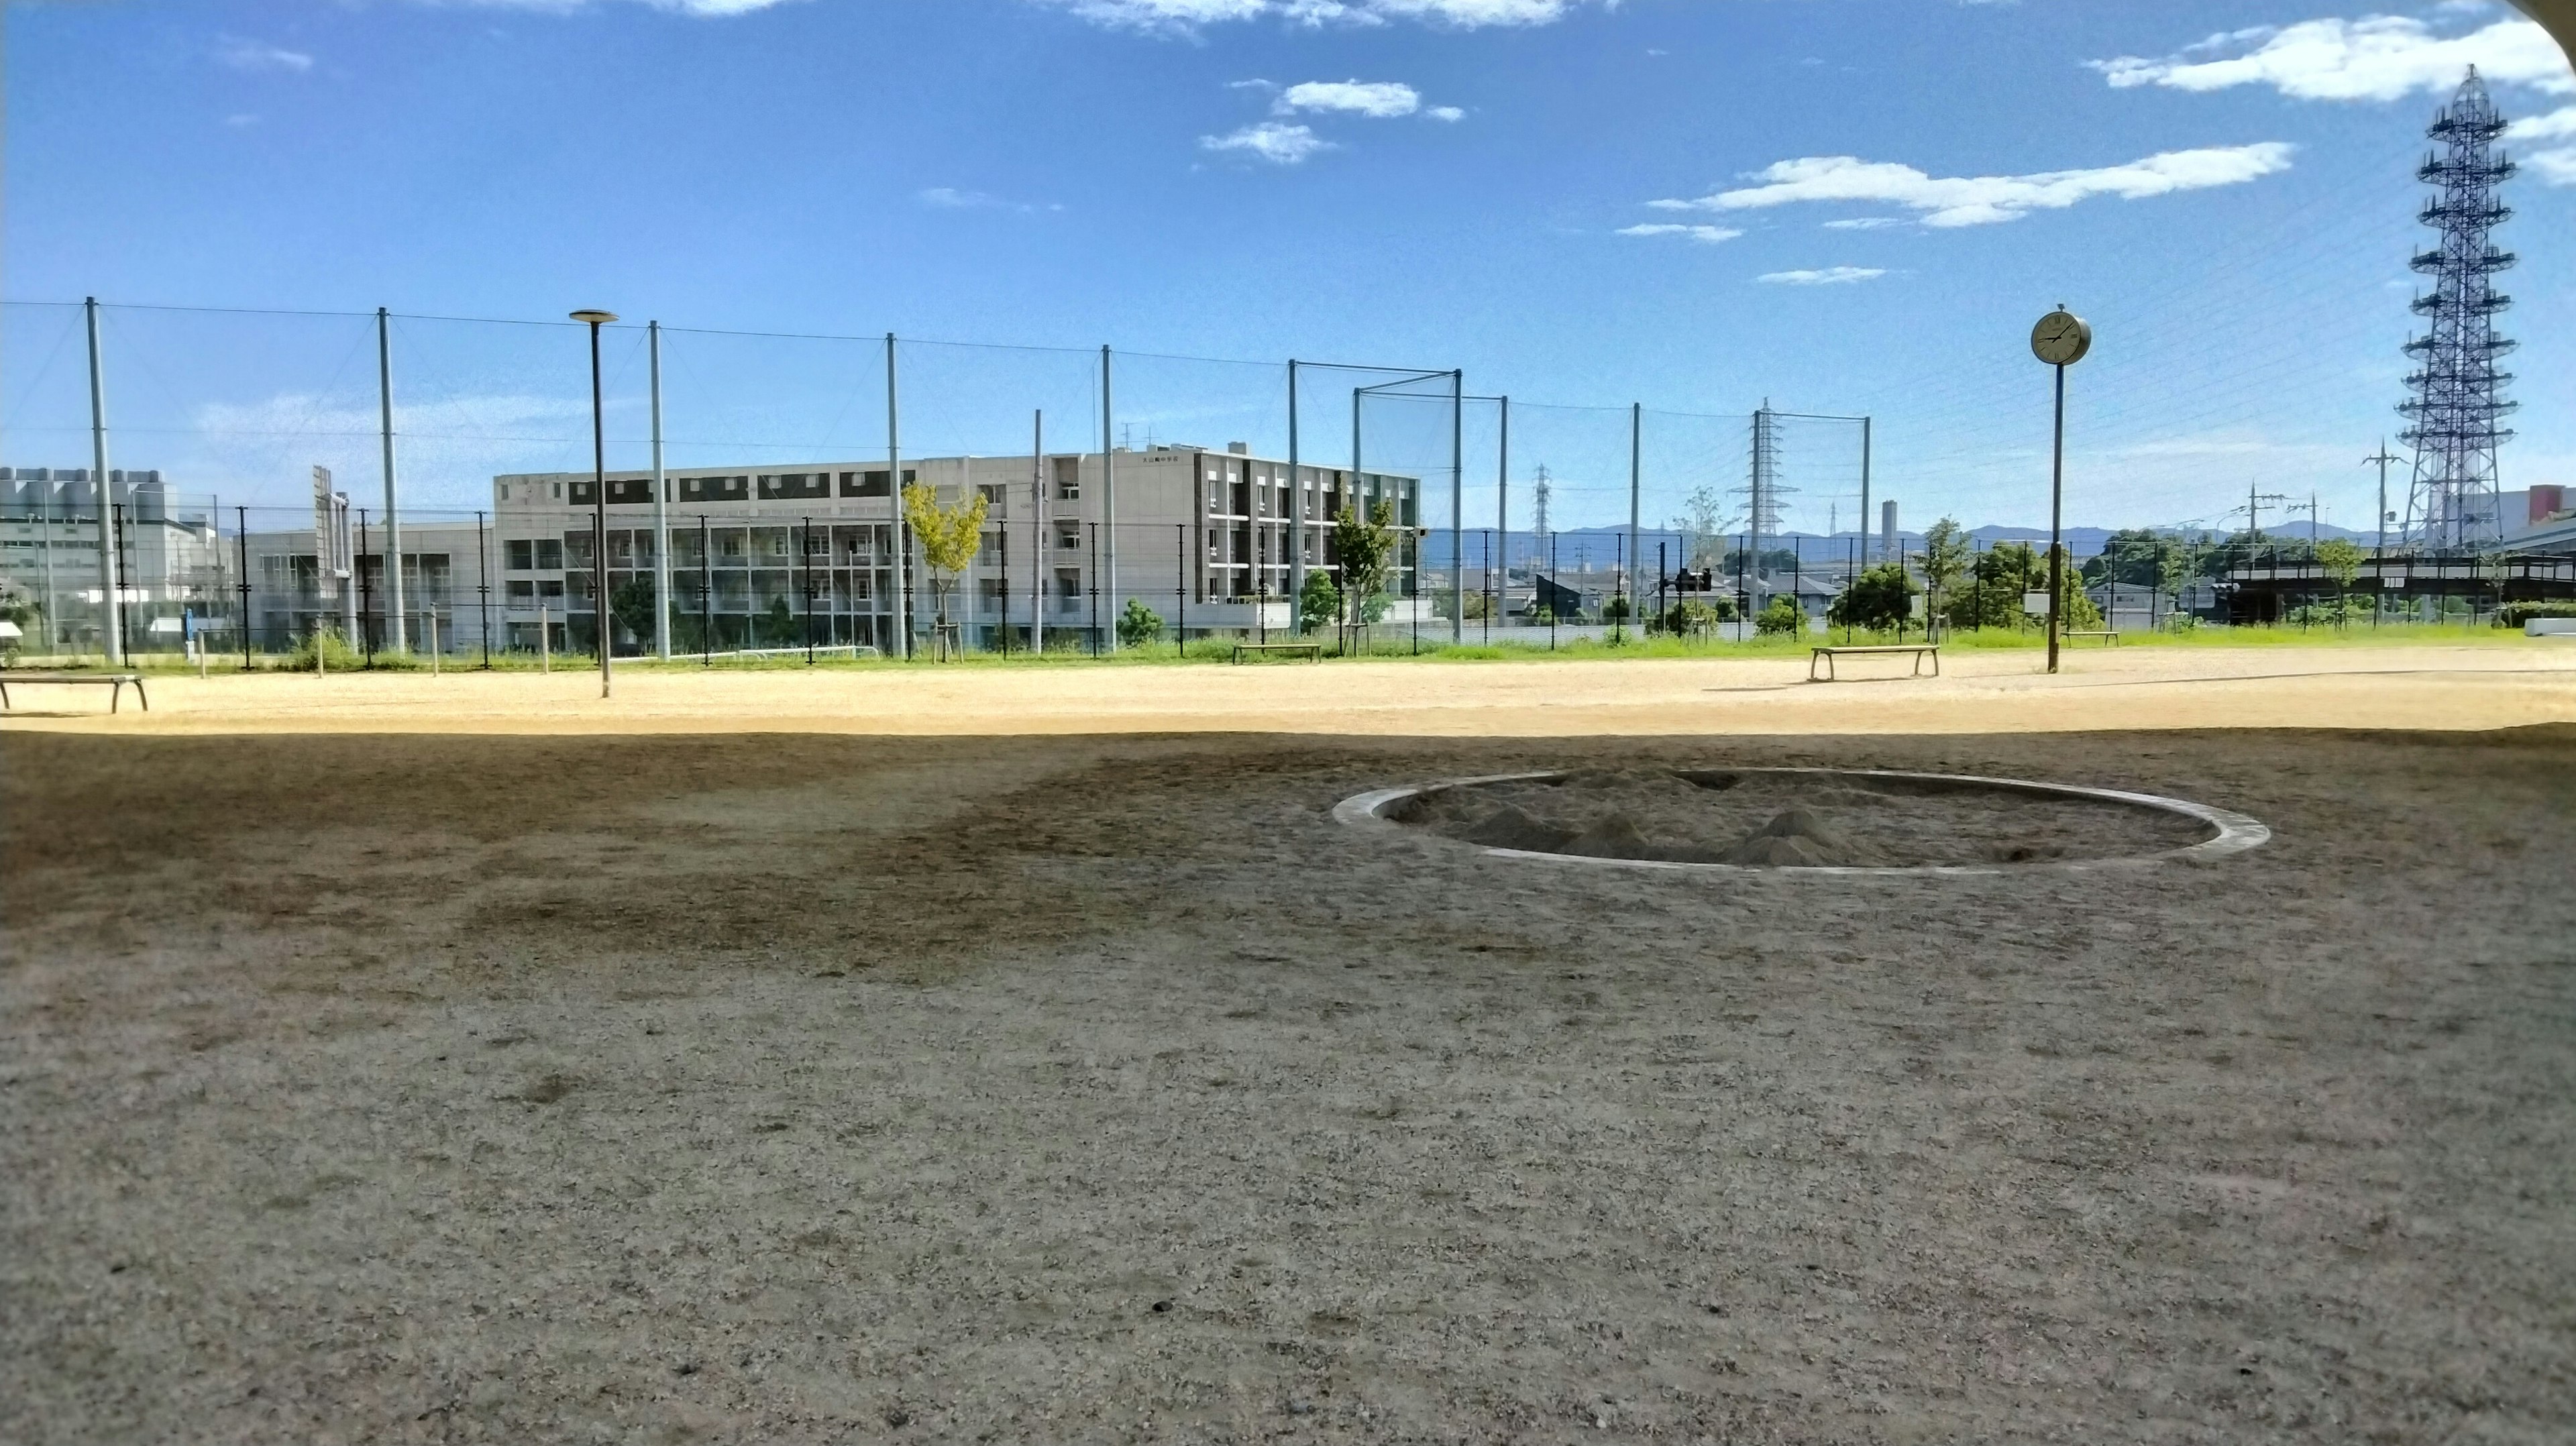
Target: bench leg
<point x="142" y="697"/>
<point x="115" y="694"/>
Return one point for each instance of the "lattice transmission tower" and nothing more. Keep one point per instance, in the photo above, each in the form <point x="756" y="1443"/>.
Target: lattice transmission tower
<point x="1762" y="494"/>
<point x="2458" y="393"/>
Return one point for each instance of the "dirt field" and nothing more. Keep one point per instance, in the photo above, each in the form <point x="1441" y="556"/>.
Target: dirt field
<point x="1029" y="1057"/>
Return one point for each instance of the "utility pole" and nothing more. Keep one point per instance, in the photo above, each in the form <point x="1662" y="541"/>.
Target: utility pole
<point x="112" y="624"/>
<point x="393" y="516"/>
<point x="2383" y="457"/>
<point x="1503" y="507"/>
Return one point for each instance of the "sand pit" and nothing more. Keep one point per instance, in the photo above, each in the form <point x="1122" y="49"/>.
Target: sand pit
<point x="1824" y="820"/>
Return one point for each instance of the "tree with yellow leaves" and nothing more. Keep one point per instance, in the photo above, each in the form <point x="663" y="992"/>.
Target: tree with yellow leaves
<point x="950" y="536"/>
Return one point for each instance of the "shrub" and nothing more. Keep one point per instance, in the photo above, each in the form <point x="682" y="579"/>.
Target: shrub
<point x="1139" y="625"/>
<point x="2515" y="614"/>
<point x="1780" y="616"/>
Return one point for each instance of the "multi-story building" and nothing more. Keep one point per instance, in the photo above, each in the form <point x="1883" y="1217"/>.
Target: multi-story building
<point x="791" y="552"/>
<point x="170" y="557"/>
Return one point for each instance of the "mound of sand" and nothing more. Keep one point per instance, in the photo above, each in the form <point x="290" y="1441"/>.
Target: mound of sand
<point x="1614" y="836"/>
<point x="1509" y="828"/>
<point x="1797" y="839"/>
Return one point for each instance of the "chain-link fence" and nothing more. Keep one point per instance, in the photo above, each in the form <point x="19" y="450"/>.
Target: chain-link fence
<point x="328" y="487"/>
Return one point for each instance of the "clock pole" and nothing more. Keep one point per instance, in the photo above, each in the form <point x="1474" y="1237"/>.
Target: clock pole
<point x="2060" y="340"/>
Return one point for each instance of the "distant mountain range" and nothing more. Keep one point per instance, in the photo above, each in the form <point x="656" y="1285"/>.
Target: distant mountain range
<point x="1600" y="547"/>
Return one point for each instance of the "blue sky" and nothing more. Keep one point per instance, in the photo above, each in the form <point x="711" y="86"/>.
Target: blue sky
<point x="1864" y="205"/>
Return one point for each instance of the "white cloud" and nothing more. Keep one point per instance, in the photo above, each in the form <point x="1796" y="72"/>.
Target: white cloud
<point x="1377" y="99"/>
<point x="1984" y="200"/>
<point x="243" y="54"/>
<point x="1864" y="223"/>
<point x="2557" y="167"/>
<point x="1830" y="276"/>
<point x="1281" y="145"/>
<point x="1445" y="113"/>
<point x="2557" y="125"/>
<point x="1184" y="17"/>
<point x="949" y="198"/>
<point x="2378" y="57"/>
<point x="1706" y="235"/>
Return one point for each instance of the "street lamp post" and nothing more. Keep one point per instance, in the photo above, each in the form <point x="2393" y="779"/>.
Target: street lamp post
<point x="595" y="319"/>
<point x="2061" y="339"/>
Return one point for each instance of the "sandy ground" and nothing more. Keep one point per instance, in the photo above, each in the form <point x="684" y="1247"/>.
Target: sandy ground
<point x="701" y="1069"/>
<point x="2396" y="687"/>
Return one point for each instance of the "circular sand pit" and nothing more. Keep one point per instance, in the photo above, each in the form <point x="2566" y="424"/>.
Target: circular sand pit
<point x="1804" y="820"/>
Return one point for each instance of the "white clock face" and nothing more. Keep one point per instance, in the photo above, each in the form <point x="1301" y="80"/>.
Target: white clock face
<point x="2061" y="339"/>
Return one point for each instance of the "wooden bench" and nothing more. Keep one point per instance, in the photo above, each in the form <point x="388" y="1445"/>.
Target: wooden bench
<point x="2109" y="637"/>
<point x="1314" y="652"/>
<point x="116" y="681"/>
<point x="1827" y="654"/>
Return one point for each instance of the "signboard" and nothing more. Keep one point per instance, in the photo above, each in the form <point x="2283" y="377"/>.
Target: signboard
<point x="332" y="544"/>
<point x="2035" y="603"/>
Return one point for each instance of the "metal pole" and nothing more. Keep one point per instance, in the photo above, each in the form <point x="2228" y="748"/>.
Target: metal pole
<point x="1864" y="480"/>
<point x="1636" y="479"/>
<point x="2056" y="518"/>
<point x="1181" y="589"/>
<point x="902" y="589"/>
<point x="706" y="598"/>
<point x="1503" y="501"/>
<point x="393" y="516"/>
<point x="661" y="507"/>
<point x="483" y="588"/>
<point x="805" y="549"/>
<point x="1037" y="534"/>
<point x="241" y="545"/>
<point x="1095" y="589"/>
<point x="366" y="594"/>
<point x="112" y="626"/>
<point x="1296" y="510"/>
<point x="1458" y="506"/>
<point x="1108" y="556"/>
<point x="599" y="515"/>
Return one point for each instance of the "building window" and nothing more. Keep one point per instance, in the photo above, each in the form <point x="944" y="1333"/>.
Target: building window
<point x="1068" y="536"/>
<point x="523" y="591"/>
<point x="550" y="554"/>
<point x="873" y="484"/>
<point x="523" y="556"/>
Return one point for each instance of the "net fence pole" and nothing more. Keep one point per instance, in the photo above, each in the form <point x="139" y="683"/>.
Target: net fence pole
<point x="1296" y="508"/>
<point x="1503" y="506"/>
<point x="1106" y="564"/>
<point x="393" y="513"/>
<point x="241" y="546"/>
<point x="1037" y="535"/>
<point x="706" y="597"/>
<point x="110" y="624"/>
<point x="1458" y="506"/>
<point x="1181" y="587"/>
<point x="661" y="505"/>
<point x="901" y="599"/>
<point x="1636" y="485"/>
<point x="483" y="588"/>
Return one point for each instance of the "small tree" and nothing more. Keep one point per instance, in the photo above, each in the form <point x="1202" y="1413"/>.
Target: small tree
<point x="2341" y="562"/>
<point x="1946" y="559"/>
<point x="1881" y="597"/>
<point x="1702" y="525"/>
<point x="1366" y="545"/>
<point x="1138" y="624"/>
<point x="1320" y="605"/>
<point x="1614" y="608"/>
<point x="950" y="536"/>
<point x="1781" y="616"/>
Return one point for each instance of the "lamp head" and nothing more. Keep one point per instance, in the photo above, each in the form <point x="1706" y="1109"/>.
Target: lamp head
<point x="594" y="316"/>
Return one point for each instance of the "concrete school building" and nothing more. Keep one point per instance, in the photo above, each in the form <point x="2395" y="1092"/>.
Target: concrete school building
<point x="172" y="558"/>
<point x="760" y="557"/>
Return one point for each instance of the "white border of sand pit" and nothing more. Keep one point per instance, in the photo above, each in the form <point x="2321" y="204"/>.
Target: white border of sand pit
<point x="2237" y="832"/>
